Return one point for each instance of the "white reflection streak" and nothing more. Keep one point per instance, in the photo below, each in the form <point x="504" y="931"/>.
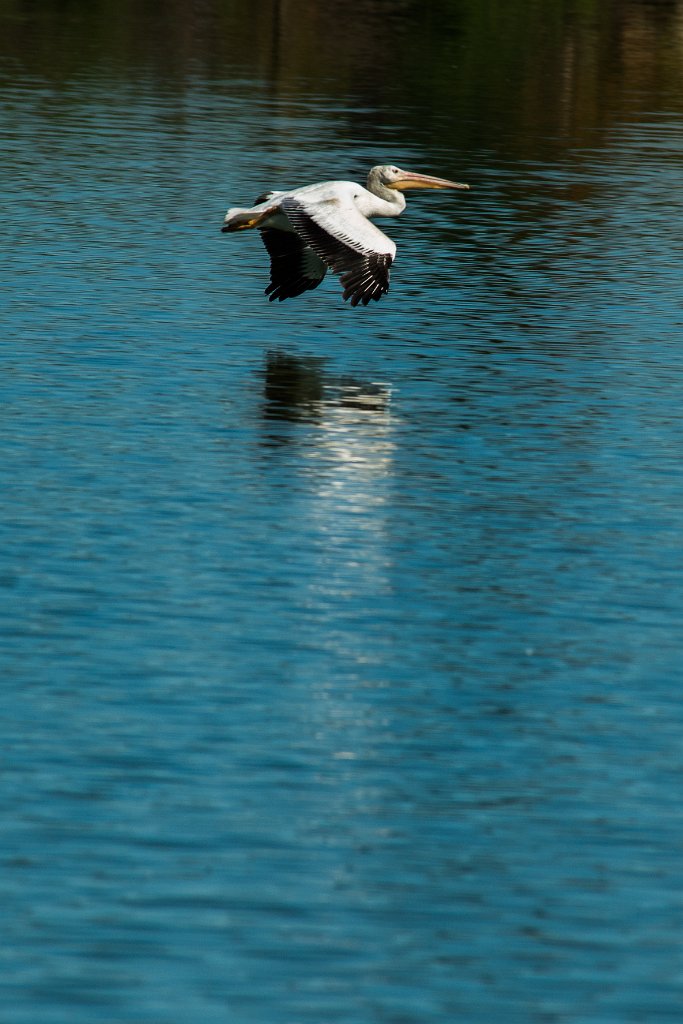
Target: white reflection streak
<point x="352" y="580"/>
<point x="356" y="447"/>
<point x="356" y="444"/>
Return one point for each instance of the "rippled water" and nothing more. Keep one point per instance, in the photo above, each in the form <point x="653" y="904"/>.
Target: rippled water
<point x="342" y="648"/>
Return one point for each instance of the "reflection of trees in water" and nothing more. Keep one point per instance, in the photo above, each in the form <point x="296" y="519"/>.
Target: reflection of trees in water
<point x="462" y="61"/>
<point x="506" y="79"/>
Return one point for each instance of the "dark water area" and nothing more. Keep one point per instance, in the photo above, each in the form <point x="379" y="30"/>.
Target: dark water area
<point x="342" y="648"/>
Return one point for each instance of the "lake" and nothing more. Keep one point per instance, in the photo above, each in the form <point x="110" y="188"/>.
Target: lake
<point x="342" y="647"/>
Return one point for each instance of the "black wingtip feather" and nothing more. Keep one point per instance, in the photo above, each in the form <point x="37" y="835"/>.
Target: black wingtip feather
<point x="290" y="259"/>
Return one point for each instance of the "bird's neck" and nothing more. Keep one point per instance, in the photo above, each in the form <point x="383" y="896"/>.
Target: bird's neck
<point x="395" y="200"/>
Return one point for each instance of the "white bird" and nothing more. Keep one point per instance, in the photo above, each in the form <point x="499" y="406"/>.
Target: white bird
<point x="325" y="227"/>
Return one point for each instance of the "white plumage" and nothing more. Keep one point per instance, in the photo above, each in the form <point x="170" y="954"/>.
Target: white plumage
<point x="326" y="227"/>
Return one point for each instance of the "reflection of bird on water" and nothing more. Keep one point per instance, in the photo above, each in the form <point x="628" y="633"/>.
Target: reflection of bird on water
<point x="325" y="227"/>
<point x="293" y="387"/>
<point x="296" y="388"/>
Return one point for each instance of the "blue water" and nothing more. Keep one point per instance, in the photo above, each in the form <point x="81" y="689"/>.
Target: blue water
<point x="341" y="648"/>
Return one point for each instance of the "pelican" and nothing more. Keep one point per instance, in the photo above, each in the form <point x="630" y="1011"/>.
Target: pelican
<point x="326" y="226"/>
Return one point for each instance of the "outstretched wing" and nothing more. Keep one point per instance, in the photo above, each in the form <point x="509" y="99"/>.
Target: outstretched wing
<point x="346" y="241"/>
<point x="294" y="266"/>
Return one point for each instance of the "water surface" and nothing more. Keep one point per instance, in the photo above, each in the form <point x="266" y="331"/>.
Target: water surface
<point x="341" y="647"/>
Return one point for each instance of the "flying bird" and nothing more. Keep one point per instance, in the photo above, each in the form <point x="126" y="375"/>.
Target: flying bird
<point x="326" y="226"/>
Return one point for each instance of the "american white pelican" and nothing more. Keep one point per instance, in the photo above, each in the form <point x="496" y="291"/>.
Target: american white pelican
<point x="325" y="227"/>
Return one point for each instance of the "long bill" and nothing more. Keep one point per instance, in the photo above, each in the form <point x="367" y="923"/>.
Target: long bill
<point x="412" y="180"/>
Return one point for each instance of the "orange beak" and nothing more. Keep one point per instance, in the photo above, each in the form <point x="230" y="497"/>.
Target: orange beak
<point x="411" y="180"/>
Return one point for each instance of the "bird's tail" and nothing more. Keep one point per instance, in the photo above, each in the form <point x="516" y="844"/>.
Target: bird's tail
<point x="238" y="219"/>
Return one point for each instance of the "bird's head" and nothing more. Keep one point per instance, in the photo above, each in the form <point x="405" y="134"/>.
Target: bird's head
<point x="394" y="178"/>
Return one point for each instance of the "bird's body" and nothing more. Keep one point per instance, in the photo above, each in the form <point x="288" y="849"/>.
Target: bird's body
<point x="326" y="226"/>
